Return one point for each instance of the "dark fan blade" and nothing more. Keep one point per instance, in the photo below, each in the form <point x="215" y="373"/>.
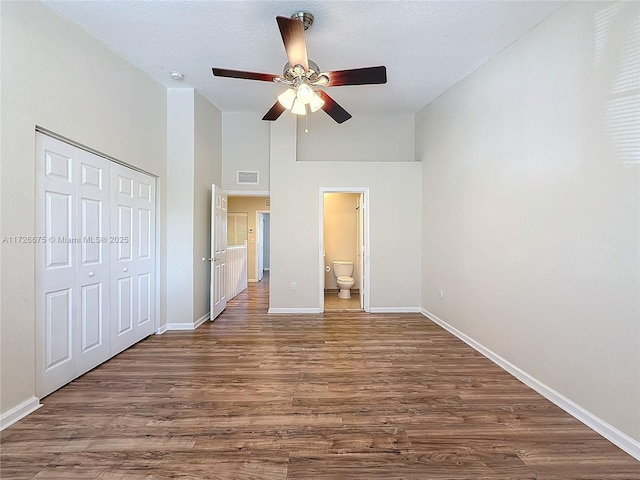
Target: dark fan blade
<point x="292" y="31"/>
<point x="334" y="110"/>
<point x="357" y="76"/>
<point x="274" y="112"/>
<point x="223" y="72"/>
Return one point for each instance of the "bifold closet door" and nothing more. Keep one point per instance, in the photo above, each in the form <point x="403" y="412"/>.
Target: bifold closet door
<point x="95" y="261"/>
<point x="72" y="263"/>
<point x="132" y="257"/>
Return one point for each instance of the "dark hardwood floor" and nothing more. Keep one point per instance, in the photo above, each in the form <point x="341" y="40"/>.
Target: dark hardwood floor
<point x="333" y="396"/>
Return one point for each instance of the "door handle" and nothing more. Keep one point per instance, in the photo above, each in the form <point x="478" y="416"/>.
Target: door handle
<point x="91" y="274"/>
<point x="125" y="269"/>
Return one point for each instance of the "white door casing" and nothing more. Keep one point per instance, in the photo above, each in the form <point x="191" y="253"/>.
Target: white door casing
<point x="365" y="280"/>
<point x="218" y="259"/>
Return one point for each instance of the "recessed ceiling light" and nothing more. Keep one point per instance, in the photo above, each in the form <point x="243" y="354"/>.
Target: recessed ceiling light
<point x="176" y="75"/>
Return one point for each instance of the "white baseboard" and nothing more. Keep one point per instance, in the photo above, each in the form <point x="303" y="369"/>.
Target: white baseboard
<point x="294" y="310"/>
<point x="252" y="280"/>
<point x="201" y="320"/>
<point x="19" y="411"/>
<point x="188" y="326"/>
<point x="615" y="436"/>
<point x="394" y="309"/>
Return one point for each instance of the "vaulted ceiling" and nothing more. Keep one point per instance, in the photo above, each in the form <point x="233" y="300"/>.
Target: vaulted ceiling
<point x="427" y="46"/>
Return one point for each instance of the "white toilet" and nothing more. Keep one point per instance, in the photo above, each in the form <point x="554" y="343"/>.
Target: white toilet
<point x="343" y="271"/>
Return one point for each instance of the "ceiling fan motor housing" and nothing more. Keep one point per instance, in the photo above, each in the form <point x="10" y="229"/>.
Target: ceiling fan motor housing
<point x="305" y="17"/>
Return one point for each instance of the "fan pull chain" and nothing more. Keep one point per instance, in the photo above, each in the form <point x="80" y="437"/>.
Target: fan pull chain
<point x="306" y="121"/>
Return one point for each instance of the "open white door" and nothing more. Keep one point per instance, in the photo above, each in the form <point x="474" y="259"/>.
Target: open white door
<point x="260" y="248"/>
<point x="218" y="251"/>
<point x="361" y="207"/>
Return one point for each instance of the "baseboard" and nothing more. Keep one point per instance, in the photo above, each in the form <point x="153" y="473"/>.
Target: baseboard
<point x="394" y="309"/>
<point x="201" y="320"/>
<point x="294" y="310"/>
<point x="252" y="280"/>
<point x="187" y="326"/>
<point x="615" y="436"/>
<point x="19" y="411"/>
<point x="162" y="329"/>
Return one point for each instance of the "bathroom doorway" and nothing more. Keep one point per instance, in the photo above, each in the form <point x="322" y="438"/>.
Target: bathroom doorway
<point x="344" y="238"/>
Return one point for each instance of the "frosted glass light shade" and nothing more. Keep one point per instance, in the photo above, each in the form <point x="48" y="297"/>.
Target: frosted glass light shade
<point x="287" y="98"/>
<point x="299" y="108"/>
<point x="316" y="102"/>
<point x="305" y="93"/>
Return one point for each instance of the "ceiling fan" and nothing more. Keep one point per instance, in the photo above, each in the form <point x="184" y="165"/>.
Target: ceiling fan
<point x="303" y="77"/>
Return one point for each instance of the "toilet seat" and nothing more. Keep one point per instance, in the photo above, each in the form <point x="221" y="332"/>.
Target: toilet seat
<point x="345" y="279"/>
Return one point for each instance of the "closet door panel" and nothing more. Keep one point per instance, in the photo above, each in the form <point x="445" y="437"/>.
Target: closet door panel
<point x="94" y="265"/>
<point x="144" y="245"/>
<point x="56" y="264"/>
<point x="133" y="258"/>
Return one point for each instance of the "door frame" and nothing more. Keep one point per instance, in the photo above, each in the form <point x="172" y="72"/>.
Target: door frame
<point x="258" y="234"/>
<point x="366" y="285"/>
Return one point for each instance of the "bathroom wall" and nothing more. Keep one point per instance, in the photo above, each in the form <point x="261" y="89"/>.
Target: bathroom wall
<point x="249" y="205"/>
<point x="340" y="233"/>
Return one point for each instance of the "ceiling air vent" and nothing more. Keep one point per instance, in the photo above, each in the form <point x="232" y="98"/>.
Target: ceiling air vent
<point x="247" y="178"/>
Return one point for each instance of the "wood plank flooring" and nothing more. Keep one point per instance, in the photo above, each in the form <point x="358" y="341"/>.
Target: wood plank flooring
<point x="333" y="396"/>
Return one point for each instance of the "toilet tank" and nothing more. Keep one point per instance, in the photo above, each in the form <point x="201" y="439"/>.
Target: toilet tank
<point x="341" y="268"/>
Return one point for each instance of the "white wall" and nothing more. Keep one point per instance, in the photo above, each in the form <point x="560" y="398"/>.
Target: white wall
<point x="395" y="196"/>
<point x="363" y="138"/>
<point x="208" y="170"/>
<point x="245" y="146"/>
<point x="531" y="221"/>
<point x="54" y="75"/>
<point x="180" y="201"/>
<point x="194" y="162"/>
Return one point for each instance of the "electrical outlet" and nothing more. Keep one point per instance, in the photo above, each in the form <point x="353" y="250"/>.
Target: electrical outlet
<point x="441" y="294"/>
<point x="293" y="285"/>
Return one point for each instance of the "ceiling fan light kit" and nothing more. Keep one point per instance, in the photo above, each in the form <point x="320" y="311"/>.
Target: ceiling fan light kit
<point x="304" y="78"/>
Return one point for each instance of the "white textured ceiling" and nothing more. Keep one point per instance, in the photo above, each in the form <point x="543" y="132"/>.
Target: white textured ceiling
<point x="427" y="46"/>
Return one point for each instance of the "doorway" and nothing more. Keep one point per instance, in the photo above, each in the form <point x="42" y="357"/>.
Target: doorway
<point x="344" y="237"/>
<point x="263" y="246"/>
